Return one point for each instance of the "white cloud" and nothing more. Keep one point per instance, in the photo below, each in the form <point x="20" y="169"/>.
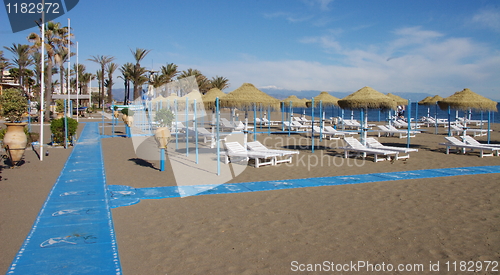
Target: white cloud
<point x="432" y="64"/>
<point x="488" y="18"/>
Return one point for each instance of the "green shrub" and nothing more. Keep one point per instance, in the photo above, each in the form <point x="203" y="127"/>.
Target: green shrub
<point x="60" y="106"/>
<point x="57" y="128"/>
<point x="127" y="111"/>
<point x="164" y="117"/>
<point x="13" y="105"/>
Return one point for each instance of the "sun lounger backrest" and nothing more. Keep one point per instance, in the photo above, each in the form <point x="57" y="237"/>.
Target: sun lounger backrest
<point x="316" y="129"/>
<point x="471" y="140"/>
<point x="383" y="127"/>
<point x="354" y="143"/>
<point x="203" y="131"/>
<point x="454" y="141"/>
<point x="256" y="145"/>
<point x="372" y="142"/>
<point x="235" y="147"/>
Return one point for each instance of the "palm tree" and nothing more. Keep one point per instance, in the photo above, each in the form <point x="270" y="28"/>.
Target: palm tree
<point x="55" y="36"/>
<point x="22" y="59"/>
<point x="100" y="78"/>
<point x="169" y="72"/>
<point x="219" y="82"/>
<point x="4" y="64"/>
<point x="110" y="70"/>
<point x="157" y="80"/>
<point x="102" y="60"/>
<point x="60" y="58"/>
<point x="139" y="54"/>
<point x="138" y="78"/>
<point x="84" y="80"/>
<point x="126" y="70"/>
<point x="203" y="82"/>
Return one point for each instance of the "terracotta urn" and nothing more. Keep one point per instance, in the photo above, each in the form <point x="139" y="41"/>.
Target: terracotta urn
<point x="124" y="118"/>
<point x="162" y="136"/>
<point x="16" y="139"/>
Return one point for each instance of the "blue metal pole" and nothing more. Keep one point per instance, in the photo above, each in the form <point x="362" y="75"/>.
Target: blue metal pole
<point x="195" y="132"/>
<point x="320" y="120"/>
<point x="312" y="126"/>
<point x="489" y="127"/>
<point x="290" y="108"/>
<point x="362" y="115"/>
<point x="283" y="116"/>
<point x="449" y="121"/>
<point x="103" y="117"/>
<point x="176" y="131"/>
<point x="436" y="119"/>
<point x="29" y="115"/>
<point x="269" y="118"/>
<point x="187" y="127"/>
<point x="162" y="159"/>
<point x="217" y="134"/>
<point x="409" y="125"/>
<point x="254" y="120"/>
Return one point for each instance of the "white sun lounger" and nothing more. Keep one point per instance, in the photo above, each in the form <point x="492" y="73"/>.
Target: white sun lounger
<point x="259" y="147"/>
<point x="391" y="130"/>
<point x="374" y="143"/>
<point x="355" y="146"/>
<point x="462" y="147"/>
<point x="459" y="129"/>
<point x="471" y="141"/>
<point x="235" y="150"/>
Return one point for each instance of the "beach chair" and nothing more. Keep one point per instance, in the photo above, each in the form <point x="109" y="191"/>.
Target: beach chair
<point x="459" y="129"/>
<point x="286" y="154"/>
<point x="331" y="130"/>
<point x="206" y="134"/>
<point x="403" y="124"/>
<point x="353" y="145"/>
<point x="402" y="133"/>
<point x="462" y="147"/>
<point x="236" y="150"/>
<point x="374" y="143"/>
<point x="471" y="141"/>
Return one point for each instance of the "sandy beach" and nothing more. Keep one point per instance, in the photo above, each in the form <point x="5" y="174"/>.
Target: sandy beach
<point x="416" y="223"/>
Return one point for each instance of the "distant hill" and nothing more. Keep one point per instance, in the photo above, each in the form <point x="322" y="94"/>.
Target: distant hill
<point x="283" y="93"/>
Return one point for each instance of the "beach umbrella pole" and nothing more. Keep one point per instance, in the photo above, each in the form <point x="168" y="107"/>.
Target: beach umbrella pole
<point x="187" y="127"/>
<point x="217" y="134"/>
<point x="409" y="125"/>
<point x="254" y="122"/>
<point x="290" y="118"/>
<point x="312" y="126"/>
<point x="195" y="132"/>
<point x="162" y="159"/>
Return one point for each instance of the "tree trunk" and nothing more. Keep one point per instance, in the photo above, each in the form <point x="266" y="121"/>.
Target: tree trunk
<point x="48" y="90"/>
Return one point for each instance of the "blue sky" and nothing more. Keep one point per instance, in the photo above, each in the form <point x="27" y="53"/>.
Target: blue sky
<point x="436" y="47"/>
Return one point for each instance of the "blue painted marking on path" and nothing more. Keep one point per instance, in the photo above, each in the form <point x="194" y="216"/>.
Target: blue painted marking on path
<point x="126" y="195"/>
<point x="73" y="233"/>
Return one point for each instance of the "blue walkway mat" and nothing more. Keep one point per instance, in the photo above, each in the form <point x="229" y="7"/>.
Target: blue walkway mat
<point x="73" y="233"/>
<point x="121" y="195"/>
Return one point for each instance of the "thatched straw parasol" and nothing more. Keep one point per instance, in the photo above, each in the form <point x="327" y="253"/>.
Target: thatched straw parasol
<point x="325" y="98"/>
<point x="210" y="96"/>
<point x="367" y="98"/>
<point x="296" y="102"/>
<point x="191" y="96"/>
<point x="158" y="99"/>
<point x="399" y="100"/>
<point x="246" y="96"/>
<point x="425" y="101"/>
<point x="467" y="99"/>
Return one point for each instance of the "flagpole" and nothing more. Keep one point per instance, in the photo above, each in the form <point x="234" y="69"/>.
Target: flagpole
<point x="69" y="67"/>
<point x="77" y="90"/>
<point x="42" y="86"/>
